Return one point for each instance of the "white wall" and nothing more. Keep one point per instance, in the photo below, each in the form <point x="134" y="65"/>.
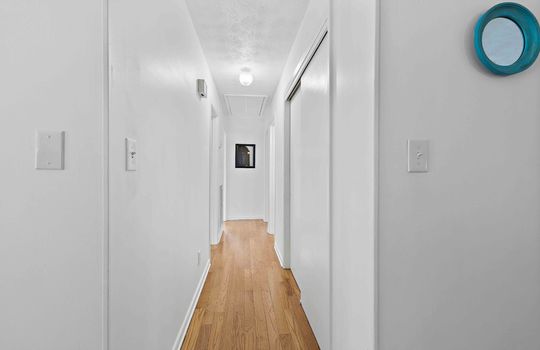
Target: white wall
<point x="51" y="221"/>
<point x="316" y="13"/>
<point x="246" y="187"/>
<point x="353" y="34"/>
<point x="460" y="245"/>
<point x="160" y="213"/>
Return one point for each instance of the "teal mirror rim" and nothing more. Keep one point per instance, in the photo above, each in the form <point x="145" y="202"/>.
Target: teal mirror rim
<point x="528" y="24"/>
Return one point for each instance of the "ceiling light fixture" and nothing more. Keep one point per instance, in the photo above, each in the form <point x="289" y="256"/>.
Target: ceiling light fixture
<point x="245" y="78"/>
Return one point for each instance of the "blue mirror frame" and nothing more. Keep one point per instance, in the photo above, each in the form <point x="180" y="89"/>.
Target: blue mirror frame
<point x="528" y="24"/>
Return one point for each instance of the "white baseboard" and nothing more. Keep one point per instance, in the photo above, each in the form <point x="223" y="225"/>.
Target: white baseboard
<point x="234" y="218"/>
<point x="220" y="234"/>
<point x="279" y="256"/>
<point x="270" y="228"/>
<point x="183" y="330"/>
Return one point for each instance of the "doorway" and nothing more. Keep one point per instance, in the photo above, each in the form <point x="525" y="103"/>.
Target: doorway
<point x="271" y="185"/>
<point x="216" y="177"/>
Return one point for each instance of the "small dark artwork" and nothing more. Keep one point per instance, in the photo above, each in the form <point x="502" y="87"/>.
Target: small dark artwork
<point x="245" y="156"/>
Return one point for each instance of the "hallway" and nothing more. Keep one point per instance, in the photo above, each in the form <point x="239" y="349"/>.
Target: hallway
<point x="269" y="174"/>
<point x="248" y="301"/>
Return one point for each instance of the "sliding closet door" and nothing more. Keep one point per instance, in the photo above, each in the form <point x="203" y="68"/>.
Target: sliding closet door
<point x="310" y="197"/>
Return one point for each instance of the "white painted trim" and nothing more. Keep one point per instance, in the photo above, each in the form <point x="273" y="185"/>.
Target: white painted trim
<point x="279" y="256"/>
<point x="304" y="62"/>
<point x="211" y="174"/>
<point x="271" y="184"/>
<point x="377" y="177"/>
<point x="105" y="181"/>
<point x="185" y="325"/>
<point x="220" y="234"/>
<point x="225" y="176"/>
<point x="236" y="218"/>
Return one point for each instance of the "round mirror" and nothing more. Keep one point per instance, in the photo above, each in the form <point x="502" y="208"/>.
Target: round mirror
<point x="503" y="41"/>
<point x="507" y="39"/>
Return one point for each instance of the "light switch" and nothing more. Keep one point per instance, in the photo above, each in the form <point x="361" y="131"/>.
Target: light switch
<point x="50" y="150"/>
<point x="131" y="154"/>
<point x="418" y="156"/>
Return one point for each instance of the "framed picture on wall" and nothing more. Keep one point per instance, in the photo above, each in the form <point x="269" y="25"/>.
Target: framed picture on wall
<point x="245" y="155"/>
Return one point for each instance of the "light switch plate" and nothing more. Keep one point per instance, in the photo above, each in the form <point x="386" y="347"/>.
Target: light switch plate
<point x="131" y="154"/>
<point x="50" y="150"/>
<point x="418" y="156"/>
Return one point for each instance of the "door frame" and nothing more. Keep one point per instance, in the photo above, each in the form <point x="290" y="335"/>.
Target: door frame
<point x="271" y="174"/>
<point x="214" y="184"/>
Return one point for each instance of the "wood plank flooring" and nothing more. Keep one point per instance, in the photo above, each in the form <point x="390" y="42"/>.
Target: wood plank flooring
<point x="248" y="300"/>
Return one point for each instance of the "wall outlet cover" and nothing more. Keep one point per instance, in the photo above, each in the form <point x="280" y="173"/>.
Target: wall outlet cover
<point x="50" y="150"/>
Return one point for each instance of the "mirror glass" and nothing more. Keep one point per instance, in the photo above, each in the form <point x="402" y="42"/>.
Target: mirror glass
<point x="503" y="41"/>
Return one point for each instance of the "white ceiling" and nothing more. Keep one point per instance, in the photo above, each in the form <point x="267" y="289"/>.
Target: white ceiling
<point x="254" y="34"/>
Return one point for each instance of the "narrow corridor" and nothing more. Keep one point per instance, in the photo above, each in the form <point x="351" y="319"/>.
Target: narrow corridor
<point x="248" y="300"/>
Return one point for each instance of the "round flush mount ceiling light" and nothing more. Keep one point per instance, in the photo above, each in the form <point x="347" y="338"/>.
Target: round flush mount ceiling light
<point x="245" y="78"/>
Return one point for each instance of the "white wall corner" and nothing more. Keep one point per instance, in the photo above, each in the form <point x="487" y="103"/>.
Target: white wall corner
<point x="185" y="325"/>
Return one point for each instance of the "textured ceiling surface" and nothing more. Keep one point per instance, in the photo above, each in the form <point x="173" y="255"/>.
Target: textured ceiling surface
<point x="239" y="35"/>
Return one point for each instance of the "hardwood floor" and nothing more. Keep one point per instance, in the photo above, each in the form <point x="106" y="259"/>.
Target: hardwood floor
<point x="248" y="300"/>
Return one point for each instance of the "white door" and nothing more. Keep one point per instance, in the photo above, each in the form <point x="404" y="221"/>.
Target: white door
<point x="310" y="193"/>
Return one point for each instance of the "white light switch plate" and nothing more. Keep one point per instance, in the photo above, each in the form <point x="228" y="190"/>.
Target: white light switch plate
<point x="131" y="154"/>
<point x="50" y="150"/>
<point x="418" y="156"/>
